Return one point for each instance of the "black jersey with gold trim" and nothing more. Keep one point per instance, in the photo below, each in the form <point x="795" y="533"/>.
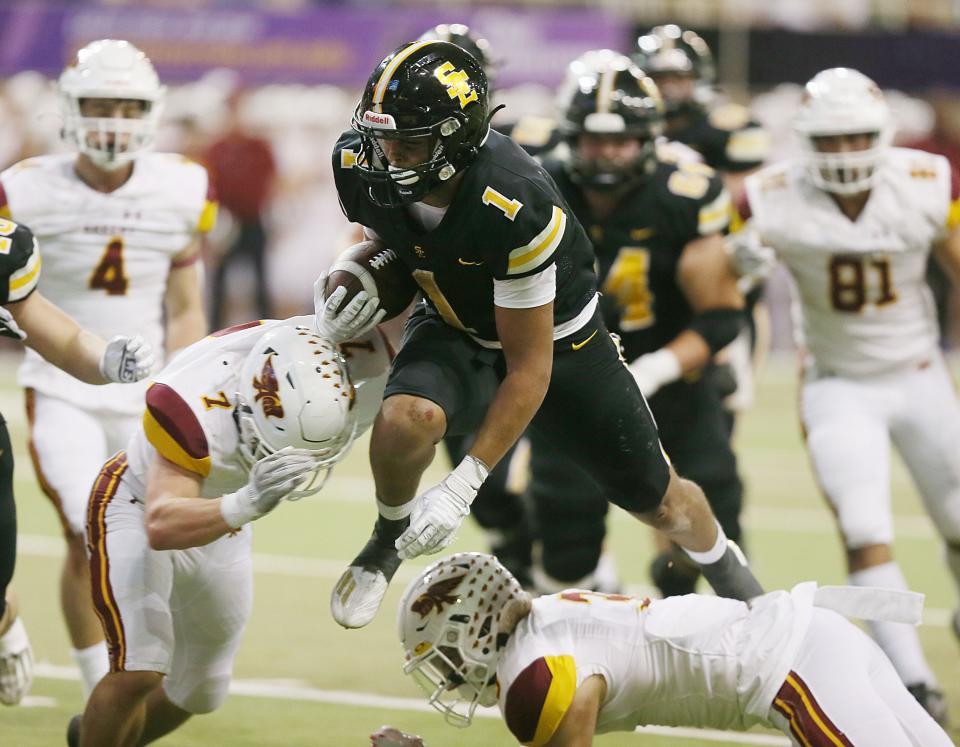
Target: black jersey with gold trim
<point x="639" y="246"/>
<point x="19" y="261"/>
<point x="727" y="138"/>
<point x="507" y="221"/>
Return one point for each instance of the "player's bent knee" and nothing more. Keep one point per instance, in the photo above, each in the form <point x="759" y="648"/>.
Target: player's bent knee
<point x="404" y="416"/>
<point x="201" y="697"/>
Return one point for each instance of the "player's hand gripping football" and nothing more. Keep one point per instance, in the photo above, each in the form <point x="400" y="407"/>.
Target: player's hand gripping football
<point x="438" y="513"/>
<point x="272" y="478"/>
<point x="127" y="359"/>
<point x="355" y="318"/>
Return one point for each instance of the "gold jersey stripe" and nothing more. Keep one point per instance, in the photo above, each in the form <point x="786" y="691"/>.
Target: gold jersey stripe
<point x="169" y="449"/>
<point x="953" y="214"/>
<point x="563" y="687"/>
<point x="541" y="248"/>
<point x="381" y="88"/>
<point x="24" y="280"/>
<point x="715" y="216"/>
<point x="5" y="212"/>
<point x="208" y="216"/>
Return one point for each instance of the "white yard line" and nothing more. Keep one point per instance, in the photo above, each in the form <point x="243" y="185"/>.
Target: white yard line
<point x="298" y="690"/>
<point x="46" y="546"/>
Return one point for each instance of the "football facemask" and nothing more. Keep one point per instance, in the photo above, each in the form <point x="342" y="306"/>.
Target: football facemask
<point x="449" y="625"/>
<point x="433" y="96"/>
<point x="110" y="76"/>
<point x="841" y="101"/>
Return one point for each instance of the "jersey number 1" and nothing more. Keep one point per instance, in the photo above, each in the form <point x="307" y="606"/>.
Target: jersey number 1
<point x="109" y="274"/>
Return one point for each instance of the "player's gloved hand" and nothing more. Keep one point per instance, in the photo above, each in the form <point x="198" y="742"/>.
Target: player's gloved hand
<point x="652" y="370"/>
<point x="389" y="736"/>
<point x="9" y="326"/>
<point x="750" y="260"/>
<point x="127" y="359"/>
<point x="271" y="479"/>
<point x="355" y="318"/>
<point x="438" y="513"/>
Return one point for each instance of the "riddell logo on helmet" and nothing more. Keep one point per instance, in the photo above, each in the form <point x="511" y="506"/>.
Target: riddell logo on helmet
<point x="268" y="391"/>
<point x="383" y="121"/>
<point x="436" y="596"/>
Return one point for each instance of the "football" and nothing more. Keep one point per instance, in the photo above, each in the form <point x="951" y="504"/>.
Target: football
<point x="376" y="269"/>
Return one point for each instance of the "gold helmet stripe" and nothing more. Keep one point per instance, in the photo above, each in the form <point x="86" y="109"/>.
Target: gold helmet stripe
<point x="605" y="90"/>
<point x="381" y="88"/>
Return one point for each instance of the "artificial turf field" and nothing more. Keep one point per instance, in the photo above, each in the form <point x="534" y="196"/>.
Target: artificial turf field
<point x="302" y="680"/>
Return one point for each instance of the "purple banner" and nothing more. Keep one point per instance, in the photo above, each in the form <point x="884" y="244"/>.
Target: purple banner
<point x="336" y="45"/>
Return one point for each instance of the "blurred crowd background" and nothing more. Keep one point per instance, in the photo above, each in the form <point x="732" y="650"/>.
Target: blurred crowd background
<point x="260" y="89"/>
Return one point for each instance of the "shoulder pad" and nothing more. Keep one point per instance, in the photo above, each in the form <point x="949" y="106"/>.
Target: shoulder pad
<point x="539" y="698"/>
<point x="729" y="116"/>
<point x="173" y="429"/>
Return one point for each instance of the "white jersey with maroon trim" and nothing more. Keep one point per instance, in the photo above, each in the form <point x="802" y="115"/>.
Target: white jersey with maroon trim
<point x="691" y="660"/>
<point x="189" y="415"/>
<point x="106" y="255"/>
<point x="864" y="304"/>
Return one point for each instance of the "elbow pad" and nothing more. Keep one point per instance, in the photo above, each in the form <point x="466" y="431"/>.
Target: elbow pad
<point x="718" y="327"/>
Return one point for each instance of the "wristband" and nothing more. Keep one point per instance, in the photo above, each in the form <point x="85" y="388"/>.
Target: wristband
<point x="237" y="508"/>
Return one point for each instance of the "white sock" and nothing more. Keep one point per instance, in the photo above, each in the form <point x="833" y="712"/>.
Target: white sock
<point x="714" y="554"/>
<point x="94" y="662"/>
<point x="899" y="641"/>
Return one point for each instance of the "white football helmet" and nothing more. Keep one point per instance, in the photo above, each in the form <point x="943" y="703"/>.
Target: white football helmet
<point x="841" y="101"/>
<point x="110" y="69"/>
<point x="295" y="390"/>
<point x="449" y="624"/>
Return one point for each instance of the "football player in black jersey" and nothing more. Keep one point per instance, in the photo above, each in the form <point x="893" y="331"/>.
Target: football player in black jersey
<point x="499" y="508"/>
<point x="28" y="316"/>
<point x="668" y="291"/>
<point x="509" y="335"/>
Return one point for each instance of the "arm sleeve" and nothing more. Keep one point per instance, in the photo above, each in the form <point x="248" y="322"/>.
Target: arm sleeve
<point x="527" y="292"/>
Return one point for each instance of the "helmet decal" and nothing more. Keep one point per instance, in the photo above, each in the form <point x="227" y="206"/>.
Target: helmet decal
<point x="456" y="83"/>
<point x="436" y="596"/>
<point x="268" y="390"/>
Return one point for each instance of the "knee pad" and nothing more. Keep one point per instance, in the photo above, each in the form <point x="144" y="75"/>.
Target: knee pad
<point x="198" y="695"/>
<point x="674" y="574"/>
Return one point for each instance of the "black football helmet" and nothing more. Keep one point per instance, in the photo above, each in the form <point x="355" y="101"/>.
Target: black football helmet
<point x="671" y="49"/>
<point x="606" y="94"/>
<point x="425" y="90"/>
<point x="463" y="36"/>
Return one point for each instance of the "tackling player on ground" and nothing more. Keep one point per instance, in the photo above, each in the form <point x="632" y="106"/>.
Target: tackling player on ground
<point x="570" y="665"/>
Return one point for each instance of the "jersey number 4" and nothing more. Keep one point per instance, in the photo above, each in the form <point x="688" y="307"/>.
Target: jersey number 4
<point x="848" y="282"/>
<point x="628" y="282"/>
<point x="109" y="274"/>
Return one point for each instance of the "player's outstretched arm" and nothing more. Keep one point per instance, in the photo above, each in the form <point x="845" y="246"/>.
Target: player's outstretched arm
<point x="177" y="517"/>
<point x="580" y="721"/>
<point x="183" y="300"/>
<point x="56" y="336"/>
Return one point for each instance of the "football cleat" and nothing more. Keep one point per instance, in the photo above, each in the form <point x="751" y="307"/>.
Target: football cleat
<point x="356" y="597"/>
<point x="16" y="664"/>
<point x="932" y="701"/>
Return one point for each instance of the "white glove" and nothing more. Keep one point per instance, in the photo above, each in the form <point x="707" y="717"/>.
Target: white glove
<point x="388" y="736"/>
<point x="750" y="260"/>
<point x="271" y="479"/>
<point x="9" y="326"/>
<point x="127" y="359"/>
<point x="438" y="513"/>
<point x="653" y="370"/>
<point x="357" y="317"/>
